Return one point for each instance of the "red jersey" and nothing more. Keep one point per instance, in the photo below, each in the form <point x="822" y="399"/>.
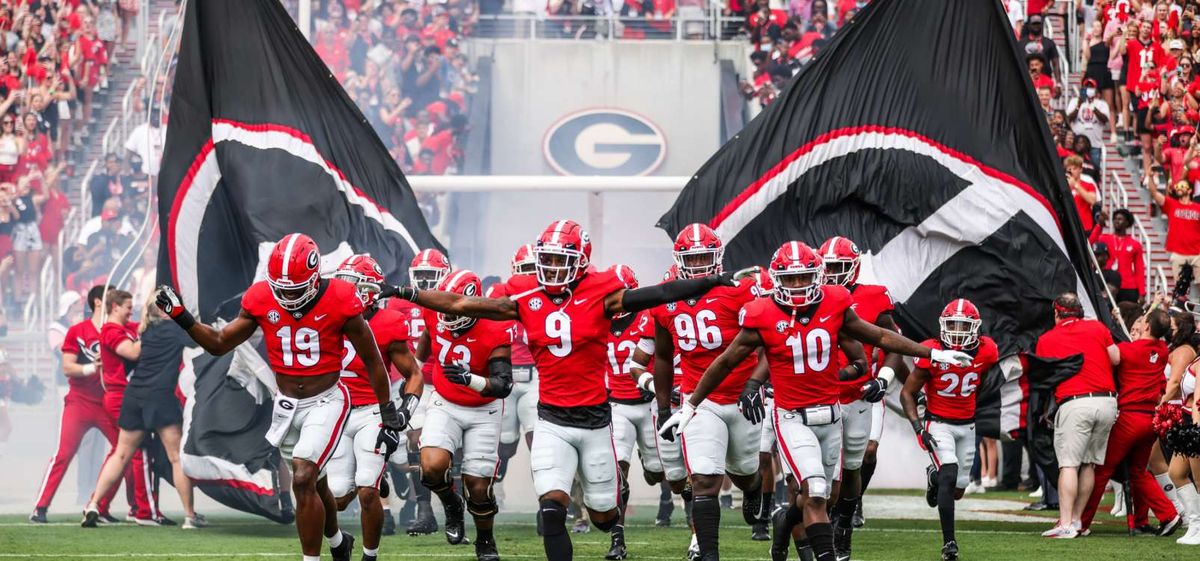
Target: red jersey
<point x="1183" y="226"/>
<point x="621" y="346"/>
<point x="115" y="370"/>
<point x="568" y="336"/>
<point x="520" y="345"/>
<point x="870" y="302"/>
<point x="1142" y="374"/>
<point x="309" y="345"/>
<point x="1125" y="257"/>
<point x="416" y="326"/>
<point x="1082" y="207"/>
<point x="701" y="330"/>
<point x="1139" y="54"/>
<point x="800" y="348"/>
<point x="950" y="389"/>
<point x="1074" y="336"/>
<point x="470" y="348"/>
<point x="389" y="326"/>
<point x="83" y="340"/>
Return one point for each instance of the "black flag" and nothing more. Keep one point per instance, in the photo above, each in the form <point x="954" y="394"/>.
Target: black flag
<point x="916" y="134"/>
<point x="262" y="141"/>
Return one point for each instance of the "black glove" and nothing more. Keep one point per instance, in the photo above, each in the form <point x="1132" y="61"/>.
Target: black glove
<point x="769" y="389"/>
<point x="388" y="441"/>
<point x="646" y="394"/>
<point x="927" y="441"/>
<point x="456" y="374"/>
<point x="406" y="292"/>
<point x="663" y="416"/>
<point x="171" y="304"/>
<point x="750" y="403"/>
<point x="676" y="396"/>
<point x="874" y="390"/>
<point x="392" y="418"/>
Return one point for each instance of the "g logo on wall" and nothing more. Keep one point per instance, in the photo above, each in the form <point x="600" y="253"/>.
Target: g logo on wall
<point x="604" y="141"/>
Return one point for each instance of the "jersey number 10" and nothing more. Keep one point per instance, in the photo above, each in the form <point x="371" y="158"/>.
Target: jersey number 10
<point x="811" y="352"/>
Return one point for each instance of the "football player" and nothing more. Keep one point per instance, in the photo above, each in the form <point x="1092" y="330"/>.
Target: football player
<point x="633" y="413"/>
<point x="566" y="310"/>
<point x="872" y="304"/>
<point x="723" y="439"/>
<point x="472" y="374"/>
<point x="948" y="431"/>
<point x="305" y="321"/>
<point x="357" y="466"/>
<point x="520" y="407"/>
<point x="800" y="328"/>
<point x="426" y="271"/>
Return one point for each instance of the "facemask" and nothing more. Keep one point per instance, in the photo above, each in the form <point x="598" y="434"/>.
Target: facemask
<point x="1089" y="92"/>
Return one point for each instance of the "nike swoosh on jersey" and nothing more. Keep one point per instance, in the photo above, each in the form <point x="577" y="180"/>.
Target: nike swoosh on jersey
<point x="470" y="340"/>
<point x="320" y="317"/>
<point x="710" y="300"/>
<point x="824" y="319"/>
<point x="581" y="301"/>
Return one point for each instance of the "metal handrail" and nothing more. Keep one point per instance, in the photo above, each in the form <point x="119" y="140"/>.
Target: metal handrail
<point x="85" y="195"/>
<point x="104" y="140"/>
<point x="1144" y="239"/>
<point x="1163" y="287"/>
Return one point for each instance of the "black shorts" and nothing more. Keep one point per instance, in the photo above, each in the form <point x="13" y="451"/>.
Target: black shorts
<point x="149" y="412"/>
<point x="1141" y="127"/>
<point x="1127" y="295"/>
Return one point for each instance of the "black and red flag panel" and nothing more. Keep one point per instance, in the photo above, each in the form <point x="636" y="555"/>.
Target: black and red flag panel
<point x="916" y="134"/>
<point x="262" y="141"/>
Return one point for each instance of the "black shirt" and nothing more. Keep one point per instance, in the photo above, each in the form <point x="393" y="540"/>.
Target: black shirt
<point x="162" y="355"/>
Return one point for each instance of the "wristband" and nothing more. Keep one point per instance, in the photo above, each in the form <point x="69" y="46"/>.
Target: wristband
<point x="917" y="427"/>
<point x="89" y="369"/>
<point x="409" y="403"/>
<point x="645" y="380"/>
<point x="185" y="320"/>
<point x="887" y="374"/>
<point x="477" y="383"/>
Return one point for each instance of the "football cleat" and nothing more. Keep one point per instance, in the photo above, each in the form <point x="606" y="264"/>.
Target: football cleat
<point x="665" y="509"/>
<point x="781" y="542"/>
<point x="455" y="526"/>
<point x="617" y="550"/>
<point x="693" y="550"/>
<point x="760" y="532"/>
<point x="841" y="542"/>
<point x="90" y="518"/>
<point x="727" y="501"/>
<point x="859" y="520"/>
<point x="950" y="551"/>
<point x="342" y="552"/>
<point x="425" y="523"/>
<point x="752" y="506"/>
<point x="106" y="518"/>
<point x="1170" y="526"/>
<point x="580" y="526"/>
<point x="485" y="550"/>
<point x="931" y="486"/>
<point x="38" y="516"/>
<point x="389" y="523"/>
<point x="366" y="557"/>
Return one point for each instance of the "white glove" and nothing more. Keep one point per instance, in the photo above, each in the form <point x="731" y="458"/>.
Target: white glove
<point x="89" y="369"/>
<point x="956" y="358"/>
<point x="675" y="425"/>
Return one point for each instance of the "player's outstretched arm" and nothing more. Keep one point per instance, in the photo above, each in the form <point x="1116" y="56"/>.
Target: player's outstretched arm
<point x="746" y="342"/>
<point x="893" y="342"/>
<point x="456" y="304"/>
<point x="406" y="364"/>
<point x="638" y="299"/>
<point x="214" y="341"/>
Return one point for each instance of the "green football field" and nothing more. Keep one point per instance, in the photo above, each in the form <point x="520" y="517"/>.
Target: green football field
<point x="244" y="538"/>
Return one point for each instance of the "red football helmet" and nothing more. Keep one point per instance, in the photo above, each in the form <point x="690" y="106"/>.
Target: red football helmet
<point x="762" y="279"/>
<point x="523" y="262"/>
<point x="841" y="259"/>
<point x="796" y="272"/>
<point x="626" y="274"/>
<point x="671" y="274"/>
<point x="364" y="273"/>
<point x="698" y="251"/>
<point x="462" y="282"/>
<point x="960" y="323"/>
<point x="294" y="271"/>
<point x="428" y="269"/>
<point x="563" y="252"/>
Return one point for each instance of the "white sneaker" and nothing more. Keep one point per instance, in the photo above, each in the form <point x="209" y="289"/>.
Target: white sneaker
<point x="990" y="482"/>
<point x="1037" y="493"/>
<point x="1061" y="532"/>
<point x="1192" y="537"/>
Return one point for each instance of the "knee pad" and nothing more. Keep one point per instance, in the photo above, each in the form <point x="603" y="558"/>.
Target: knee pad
<point x="653" y="477"/>
<point x="554" y="518"/>
<point x="482" y="509"/>
<point x="435" y="483"/>
<point x="606" y="526"/>
<point x="818" y="487"/>
<point x="687" y="493"/>
<point x="509" y="449"/>
<point x="948" y="476"/>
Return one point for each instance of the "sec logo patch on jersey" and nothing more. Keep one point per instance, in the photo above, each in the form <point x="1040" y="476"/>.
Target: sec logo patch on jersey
<point x="671" y="306"/>
<point x="781" y="326"/>
<point x="535" y="303"/>
<point x="273" y="316"/>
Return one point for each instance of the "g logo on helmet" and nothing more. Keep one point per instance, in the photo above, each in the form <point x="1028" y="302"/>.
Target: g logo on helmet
<point x="604" y="141"/>
<point x="469" y="290"/>
<point x="313" y="259"/>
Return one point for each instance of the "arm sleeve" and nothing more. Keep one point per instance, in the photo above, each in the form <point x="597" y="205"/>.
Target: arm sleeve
<point x="650" y="296"/>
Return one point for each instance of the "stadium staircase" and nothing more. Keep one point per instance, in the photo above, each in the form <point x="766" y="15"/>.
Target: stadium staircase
<point x="112" y="118"/>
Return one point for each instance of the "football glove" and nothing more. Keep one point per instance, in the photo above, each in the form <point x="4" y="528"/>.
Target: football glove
<point x="677" y="422"/>
<point x="387" y="442"/>
<point x="750" y="403"/>
<point x="926" y="440"/>
<point x="874" y="390"/>
<point x="406" y="292"/>
<point x="171" y="304"/>
<point x="394" y="419"/>
<point x="956" y="358"/>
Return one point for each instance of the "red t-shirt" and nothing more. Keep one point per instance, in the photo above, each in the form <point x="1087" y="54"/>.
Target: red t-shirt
<point x="800" y="348"/>
<point x="115" y="369"/>
<point x="870" y="302"/>
<point x="702" y="329"/>
<point x="1141" y="374"/>
<point x="950" y="389"/>
<point x="83" y="340"/>
<point x="1183" y="227"/>
<point x="471" y="348"/>
<point x="1074" y="336"/>
<point x="389" y="326"/>
<point x="309" y="345"/>
<point x="568" y="336"/>
<point x="1173" y="159"/>
<point x="1149" y="93"/>
<point x="1125" y="257"/>
<point x="621" y="346"/>
<point x="1083" y="207"/>
<point x="54" y="216"/>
